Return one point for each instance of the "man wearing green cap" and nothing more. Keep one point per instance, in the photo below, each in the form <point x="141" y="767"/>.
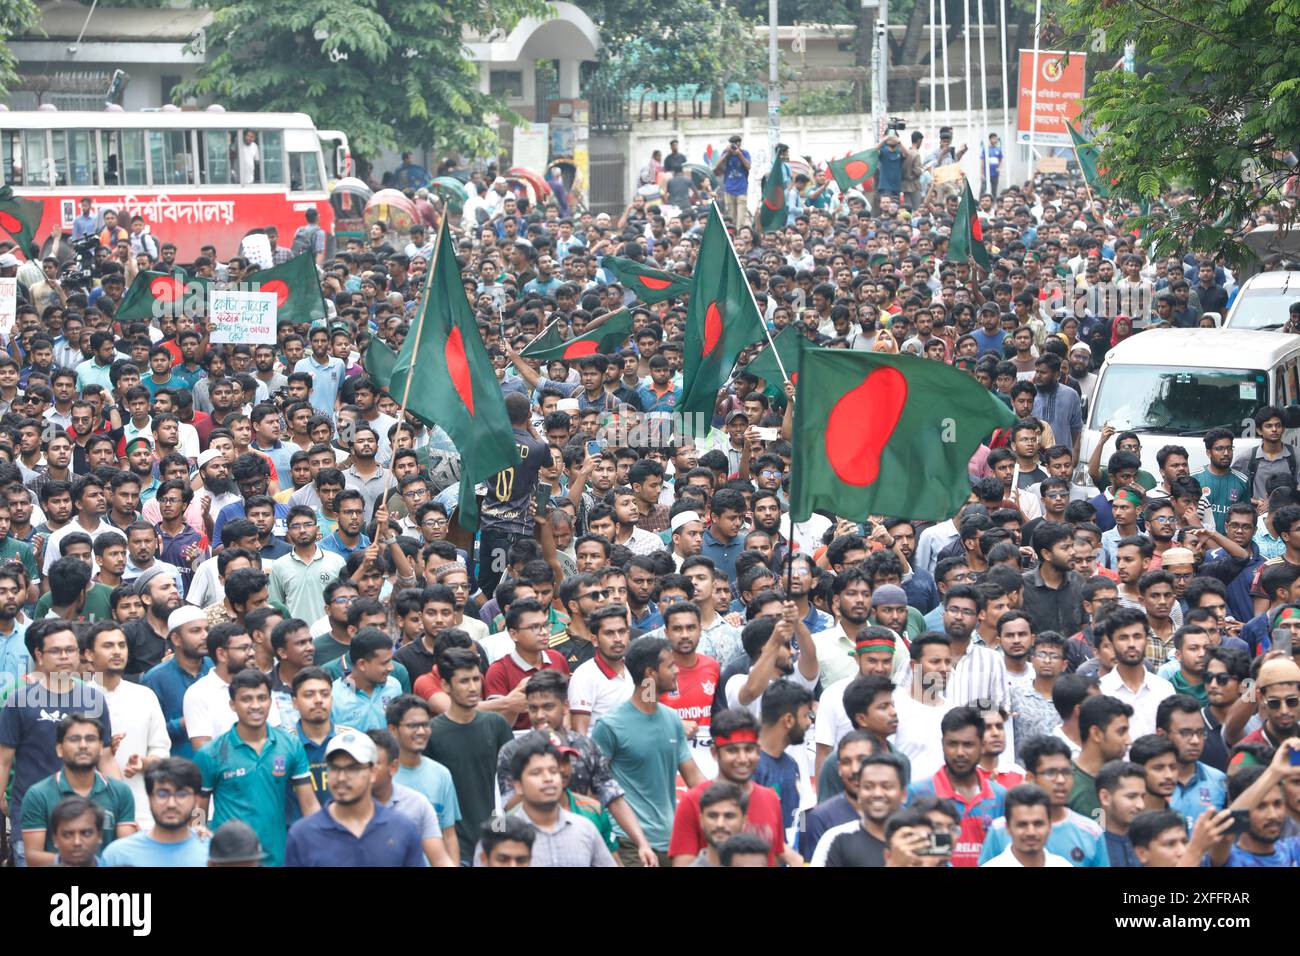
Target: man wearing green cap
<point x="1126" y="506"/>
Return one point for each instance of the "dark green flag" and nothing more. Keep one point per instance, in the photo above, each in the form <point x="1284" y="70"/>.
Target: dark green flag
<point x="456" y="386"/>
<point x="876" y="433"/>
<point x="155" y="294"/>
<point x="647" y="284"/>
<point x="603" y="339"/>
<point x="20" y="218"/>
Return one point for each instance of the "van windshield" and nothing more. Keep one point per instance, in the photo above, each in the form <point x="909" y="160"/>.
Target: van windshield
<point x="1178" y="401"/>
<point x="1264" y="309"/>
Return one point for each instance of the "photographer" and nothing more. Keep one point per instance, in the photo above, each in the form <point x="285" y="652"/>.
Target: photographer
<point x="733" y="167"/>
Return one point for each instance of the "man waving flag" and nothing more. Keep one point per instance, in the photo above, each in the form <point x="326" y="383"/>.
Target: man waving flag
<point x="967" y="239"/>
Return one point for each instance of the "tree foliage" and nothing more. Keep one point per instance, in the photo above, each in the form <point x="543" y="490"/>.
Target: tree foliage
<point x="16" y="18"/>
<point x="672" y="44"/>
<point x="388" y="72"/>
<point x="1214" y="108"/>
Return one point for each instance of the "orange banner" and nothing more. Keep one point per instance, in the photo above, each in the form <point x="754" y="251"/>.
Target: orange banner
<point x="1060" y="88"/>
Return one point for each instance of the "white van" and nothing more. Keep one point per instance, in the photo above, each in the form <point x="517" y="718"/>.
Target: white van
<point x="1264" y="301"/>
<point x="1171" y="386"/>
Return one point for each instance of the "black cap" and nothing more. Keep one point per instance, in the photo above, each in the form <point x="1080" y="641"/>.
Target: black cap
<point x="235" y="842"/>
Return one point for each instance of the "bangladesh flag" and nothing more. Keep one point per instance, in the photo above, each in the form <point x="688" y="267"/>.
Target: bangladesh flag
<point x="722" y="321"/>
<point x="20" y="218"/>
<point x="379" y="361"/>
<point x="155" y="294"/>
<point x="296" y="285"/>
<point x="967" y="239"/>
<point x="456" y="386"/>
<point x="649" y="285"/>
<point x="789" y="343"/>
<point x="886" y="434"/>
<point x="773" y="213"/>
<point x="603" y="339"/>
<point x="855" y="170"/>
<point x="1093" y="175"/>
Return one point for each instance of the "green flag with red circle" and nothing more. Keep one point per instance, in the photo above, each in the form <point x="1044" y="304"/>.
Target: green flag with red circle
<point x="773" y="213"/>
<point x="296" y="284"/>
<point x="443" y="374"/>
<point x="967" y="239"/>
<point x="721" y="321"/>
<point x="603" y="339"/>
<point x="647" y="284"/>
<point x="155" y="294"/>
<point x="21" y="218"/>
<point x="876" y="433"/>
<point x="854" y="170"/>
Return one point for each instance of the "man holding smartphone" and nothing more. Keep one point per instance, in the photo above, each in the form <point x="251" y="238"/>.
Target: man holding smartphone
<point x="733" y="167"/>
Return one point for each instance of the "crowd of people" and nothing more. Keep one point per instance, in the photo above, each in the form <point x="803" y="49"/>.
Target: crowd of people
<point x="240" y="623"/>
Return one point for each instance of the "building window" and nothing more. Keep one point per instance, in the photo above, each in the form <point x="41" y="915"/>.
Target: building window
<point x="507" y="83"/>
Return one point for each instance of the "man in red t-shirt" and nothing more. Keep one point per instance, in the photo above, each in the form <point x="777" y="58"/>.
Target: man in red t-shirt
<point x="697" y="674"/>
<point x="530" y="629"/>
<point x="735" y="747"/>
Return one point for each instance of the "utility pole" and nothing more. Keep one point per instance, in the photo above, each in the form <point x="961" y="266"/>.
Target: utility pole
<point x="773" y="82"/>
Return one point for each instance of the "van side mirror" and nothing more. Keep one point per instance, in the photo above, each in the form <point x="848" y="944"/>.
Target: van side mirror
<point x="1291" y="416"/>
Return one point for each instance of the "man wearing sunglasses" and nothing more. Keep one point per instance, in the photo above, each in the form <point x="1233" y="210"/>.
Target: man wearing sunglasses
<point x="1277" y="689"/>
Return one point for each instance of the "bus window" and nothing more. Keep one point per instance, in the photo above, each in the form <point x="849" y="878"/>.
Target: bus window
<point x="123" y="155"/>
<point x="304" y="172"/>
<point x="271" y="142"/>
<point x="37" y="154"/>
<point x="171" y="156"/>
<point x="74" y="158"/>
<point x="214" y="161"/>
<point x="11" y="156"/>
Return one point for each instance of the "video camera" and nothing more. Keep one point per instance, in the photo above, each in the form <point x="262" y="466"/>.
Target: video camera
<point x="79" y="272"/>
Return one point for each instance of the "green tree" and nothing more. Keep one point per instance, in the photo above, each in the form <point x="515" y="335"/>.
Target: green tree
<point x="1214" y="109"/>
<point x="389" y="72"/>
<point x="16" y="18"/>
<point x="675" y="44"/>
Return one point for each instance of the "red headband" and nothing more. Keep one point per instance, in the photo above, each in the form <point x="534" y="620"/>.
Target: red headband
<point x="742" y="736"/>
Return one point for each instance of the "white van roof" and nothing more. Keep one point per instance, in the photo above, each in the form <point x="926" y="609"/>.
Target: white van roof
<point x="1205" y="348"/>
<point x="1277" y="280"/>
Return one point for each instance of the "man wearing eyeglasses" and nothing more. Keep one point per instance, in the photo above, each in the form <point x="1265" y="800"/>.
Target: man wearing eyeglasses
<point x="1200" y="787"/>
<point x="529" y="628"/>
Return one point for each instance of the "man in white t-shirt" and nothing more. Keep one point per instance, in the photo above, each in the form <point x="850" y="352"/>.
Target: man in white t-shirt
<point x="133" y="710"/>
<point x="920" y="704"/>
<point x="602" y="683"/>
<point x="767" y="642"/>
<point x="206" y="706"/>
<point x="1029" y="821"/>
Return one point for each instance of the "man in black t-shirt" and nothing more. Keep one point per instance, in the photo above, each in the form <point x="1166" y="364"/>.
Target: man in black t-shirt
<point x="881" y="792"/>
<point x="505" y="516"/>
<point x="674" y="160"/>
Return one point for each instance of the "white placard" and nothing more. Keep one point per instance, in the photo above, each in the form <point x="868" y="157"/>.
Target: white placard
<point x="257" y="250"/>
<point x="531" y="145"/>
<point x="242" y="317"/>
<point x="8" y="304"/>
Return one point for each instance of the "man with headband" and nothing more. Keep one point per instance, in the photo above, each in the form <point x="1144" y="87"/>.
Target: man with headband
<point x="736" y="750"/>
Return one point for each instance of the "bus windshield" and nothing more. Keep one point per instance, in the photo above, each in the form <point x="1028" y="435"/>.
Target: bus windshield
<point x="1178" y="401"/>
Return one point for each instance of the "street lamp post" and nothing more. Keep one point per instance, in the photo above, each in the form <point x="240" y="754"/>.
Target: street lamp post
<point x="773" y="82"/>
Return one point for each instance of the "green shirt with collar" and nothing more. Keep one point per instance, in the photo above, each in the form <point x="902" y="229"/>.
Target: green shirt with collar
<point x="112" y="796"/>
<point x="254" y="787"/>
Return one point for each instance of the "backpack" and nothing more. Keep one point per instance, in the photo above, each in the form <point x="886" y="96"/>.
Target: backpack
<point x="304" y="240"/>
<point x="1288" y="457"/>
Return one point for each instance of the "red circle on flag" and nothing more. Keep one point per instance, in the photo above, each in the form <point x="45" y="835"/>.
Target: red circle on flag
<point x="458" y="368"/>
<point x="280" y="288"/>
<point x="861" y="424"/>
<point x="580" y="349"/>
<point x="856" y="169"/>
<point x="650" y="282"/>
<point x="767" y="201"/>
<point x="166" y="288"/>
<point x="10" y="223"/>
<point x="712" y="328"/>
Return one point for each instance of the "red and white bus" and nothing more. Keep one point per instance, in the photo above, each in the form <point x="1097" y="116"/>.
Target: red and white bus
<point x="188" y="173"/>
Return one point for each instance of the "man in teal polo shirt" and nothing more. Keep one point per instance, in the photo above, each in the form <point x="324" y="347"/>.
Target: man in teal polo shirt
<point x="247" y="767"/>
<point x="362" y="696"/>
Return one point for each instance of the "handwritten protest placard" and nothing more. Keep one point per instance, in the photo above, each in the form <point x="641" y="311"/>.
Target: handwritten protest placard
<point x="8" y="304"/>
<point x="242" y="317"/>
